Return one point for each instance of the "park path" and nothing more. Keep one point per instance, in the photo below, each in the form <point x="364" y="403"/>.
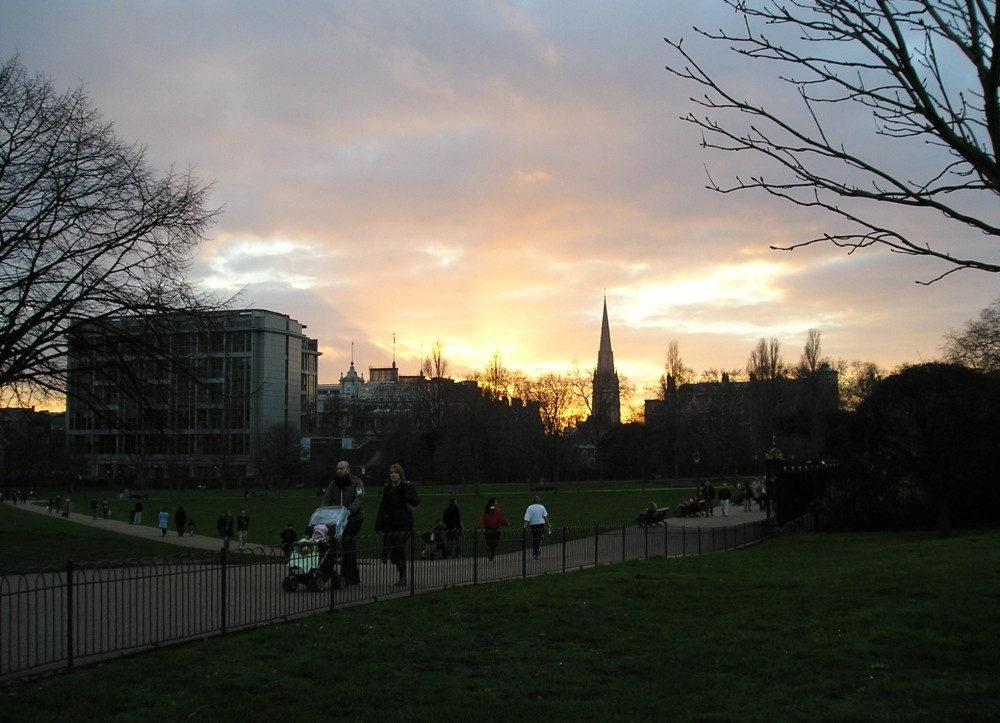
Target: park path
<point x="196" y="541"/>
<point x="737" y="516"/>
<point x="123" y="610"/>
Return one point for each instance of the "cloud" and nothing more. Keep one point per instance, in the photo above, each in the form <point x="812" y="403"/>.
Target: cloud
<point x="483" y="174"/>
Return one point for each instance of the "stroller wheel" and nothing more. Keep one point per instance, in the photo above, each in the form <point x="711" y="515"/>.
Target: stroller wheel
<point x="317" y="583"/>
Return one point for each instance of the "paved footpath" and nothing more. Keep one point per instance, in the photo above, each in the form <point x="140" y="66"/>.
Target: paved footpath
<point x="196" y="541"/>
<point x="737" y="516"/>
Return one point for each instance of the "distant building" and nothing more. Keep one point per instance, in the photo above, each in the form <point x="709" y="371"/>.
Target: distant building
<point x="727" y="424"/>
<point x="187" y="399"/>
<point x="606" y="395"/>
<point x="32" y="448"/>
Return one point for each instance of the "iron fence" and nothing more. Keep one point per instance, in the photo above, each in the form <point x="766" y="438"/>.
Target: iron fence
<point x="60" y="618"/>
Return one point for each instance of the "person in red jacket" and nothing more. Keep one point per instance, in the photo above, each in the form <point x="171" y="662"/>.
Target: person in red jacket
<point x="491" y="521"/>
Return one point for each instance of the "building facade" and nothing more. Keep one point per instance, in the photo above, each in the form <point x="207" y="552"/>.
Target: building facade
<point x="184" y="399"/>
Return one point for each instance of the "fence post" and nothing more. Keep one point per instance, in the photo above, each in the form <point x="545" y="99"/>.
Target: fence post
<point x="524" y="553"/>
<point x="623" y="544"/>
<point x="334" y="580"/>
<point x="222" y="591"/>
<point x="475" y="556"/>
<point x="413" y="562"/>
<point x="69" y="614"/>
<point x="597" y="543"/>
<point x="564" y="548"/>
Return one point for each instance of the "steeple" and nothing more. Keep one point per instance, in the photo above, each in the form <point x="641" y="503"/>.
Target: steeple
<point x="605" y="356"/>
<point x="606" y="395"/>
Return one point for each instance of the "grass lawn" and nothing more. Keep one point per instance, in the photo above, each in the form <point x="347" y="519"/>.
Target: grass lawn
<point x="610" y="503"/>
<point x="822" y="627"/>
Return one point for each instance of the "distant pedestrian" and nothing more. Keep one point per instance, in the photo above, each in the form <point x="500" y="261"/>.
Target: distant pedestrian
<point x="452" y="519"/>
<point x="225" y="525"/>
<point x="242" y="527"/>
<point x="163" y="522"/>
<point x="709" y="495"/>
<point x="537" y="518"/>
<point x="137" y="513"/>
<point x="67" y="507"/>
<point x="724" y="495"/>
<point x="747" y="496"/>
<point x="490" y="521"/>
<point x="93" y="509"/>
<point x="106" y="507"/>
<point x="288" y="538"/>
<point x="180" y="521"/>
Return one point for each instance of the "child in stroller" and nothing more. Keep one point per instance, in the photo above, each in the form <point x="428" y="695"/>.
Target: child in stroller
<point x="313" y="561"/>
<point x="434" y="543"/>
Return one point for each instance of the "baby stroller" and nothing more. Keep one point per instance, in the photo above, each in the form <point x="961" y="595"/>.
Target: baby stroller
<point x="434" y="545"/>
<point x="313" y="561"/>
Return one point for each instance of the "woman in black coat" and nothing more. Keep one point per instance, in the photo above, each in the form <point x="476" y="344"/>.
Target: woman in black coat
<point x="395" y="519"/>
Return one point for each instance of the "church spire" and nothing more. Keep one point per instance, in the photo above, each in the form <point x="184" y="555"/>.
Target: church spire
<point x="606" y="394"/>
<point x="605" y="355"/>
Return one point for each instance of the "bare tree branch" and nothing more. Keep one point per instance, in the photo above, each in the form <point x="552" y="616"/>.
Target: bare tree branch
<point x="87" y="230"/>
<point x="925" y="70"/>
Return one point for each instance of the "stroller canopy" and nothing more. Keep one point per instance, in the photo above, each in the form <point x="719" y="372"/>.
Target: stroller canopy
<point x="335" y="518"/>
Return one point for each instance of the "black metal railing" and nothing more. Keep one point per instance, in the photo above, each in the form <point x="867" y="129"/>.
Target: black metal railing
<point x="83" y="612"/>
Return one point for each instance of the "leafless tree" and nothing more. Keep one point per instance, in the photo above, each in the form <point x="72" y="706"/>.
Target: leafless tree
<point x="87" y="231"/>
<point x="977" y="346"/>
<point x="928" y="74"/>
<point x="674" y="367"/>
<point x="858" y="380"/>
<point x="555" y="397"/>
<point x="499" y="382"/>
<point x="435" y="366"/>
<point x="811" y="360"/>
<point x="765" y="362"/>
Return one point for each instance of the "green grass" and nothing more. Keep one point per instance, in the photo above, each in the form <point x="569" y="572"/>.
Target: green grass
<point x="861" y="627"/>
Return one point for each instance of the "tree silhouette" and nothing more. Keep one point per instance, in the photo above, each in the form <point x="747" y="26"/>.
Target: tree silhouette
<point x="88" y="232"/>
<point x="926" y="72"/>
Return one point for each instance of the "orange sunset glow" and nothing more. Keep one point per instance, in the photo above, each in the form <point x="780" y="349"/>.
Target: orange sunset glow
<point x="483" y="175"/>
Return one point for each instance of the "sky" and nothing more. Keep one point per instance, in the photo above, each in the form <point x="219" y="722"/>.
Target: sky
<point x="484" y="175"/>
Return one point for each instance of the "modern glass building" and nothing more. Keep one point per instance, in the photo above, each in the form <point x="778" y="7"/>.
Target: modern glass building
<point x="176" y="400"/>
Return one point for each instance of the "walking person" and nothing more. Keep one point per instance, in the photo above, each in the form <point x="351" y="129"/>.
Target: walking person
<point x="537" y="518"/>
<point x="724" y="495"/>
<point x="242" y="527"/>
<point x="225" y="527"/>
<point x="180" y="520"/>
<point x="163" y="521"/>
<point x="106" y="507"/>
<point x="452" y="519"/>
<point x="288" y="537"/>
<point x="395" y="520"/>
<point x="747" y="496"/>
<point x="491" y="521"/>
<point x="708" y="492"/>
<point x="347" y="490"/>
